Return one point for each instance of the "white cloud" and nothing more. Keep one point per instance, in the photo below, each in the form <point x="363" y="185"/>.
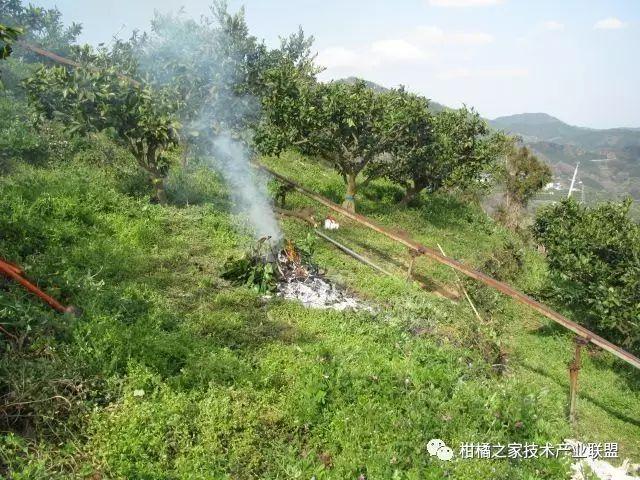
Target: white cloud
<point x="397" y="50"/>
<point x="436" y="36"/>
<point x="611" y="23"/>
<point x="373" y="55"/>
<point x="553" y="25"/>
<point x="493" y="72"/>
<point x="340" y="57"/>
<point x="421" y="45"/>
<point x="464" y="3"/>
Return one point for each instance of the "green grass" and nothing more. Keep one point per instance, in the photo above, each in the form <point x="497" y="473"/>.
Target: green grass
<point x="173" y="373"/>
<point x="538" y="350"/>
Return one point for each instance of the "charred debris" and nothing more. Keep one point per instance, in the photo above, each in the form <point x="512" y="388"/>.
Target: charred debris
<point x="286" y="269"/>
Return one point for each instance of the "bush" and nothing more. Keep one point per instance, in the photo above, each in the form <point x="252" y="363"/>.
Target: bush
<point x="18" y="137"/>
<point x="594" y="262"/>
<point x="22" y="142"/>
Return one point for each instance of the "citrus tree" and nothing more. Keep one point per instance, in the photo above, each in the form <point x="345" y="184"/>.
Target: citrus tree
<point x="341" y="123"/>
<point x="217" y="69"/>
<point x="89" y="100"/>
<point x="452" y="149"/>
<point x="594" y="262"/>
<point x="524" y="176"/>
<point x="470" y="152"/>
<point x="410" y="158"/>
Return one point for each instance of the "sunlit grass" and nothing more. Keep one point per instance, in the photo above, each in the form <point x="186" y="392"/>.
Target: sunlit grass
<point x="173" y="373"/>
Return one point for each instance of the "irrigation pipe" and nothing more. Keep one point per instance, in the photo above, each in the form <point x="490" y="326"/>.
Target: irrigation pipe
<point x="468" y="271"/>
<point x="348" y="251"/>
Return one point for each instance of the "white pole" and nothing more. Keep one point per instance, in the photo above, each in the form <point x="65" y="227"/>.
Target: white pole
<point x="573" y="180"/>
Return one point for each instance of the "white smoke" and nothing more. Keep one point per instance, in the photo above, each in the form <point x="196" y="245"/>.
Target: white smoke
<point x="247" y="187"/>
<point x="182" y="52"/>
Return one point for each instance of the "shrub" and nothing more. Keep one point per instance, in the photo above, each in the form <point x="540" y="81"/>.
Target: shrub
<point x="594" y="261"/>
<point x="18" y="138"/>
<point x="22" y="141"/>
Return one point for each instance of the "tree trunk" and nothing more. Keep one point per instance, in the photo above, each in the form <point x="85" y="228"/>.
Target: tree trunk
<point x="512" y="213"/>
<point x="148" y="159"/>
<point x="159" y="189"/>
<point x="350" y="197"/>
<point x="411" y="192"/>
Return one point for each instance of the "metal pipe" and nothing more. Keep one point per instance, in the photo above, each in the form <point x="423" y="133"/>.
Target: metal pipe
<point x="352" y="253"/>
<point x="10" y="271"/>
<point x="16" y="268"/>
<point x="470" y="272"/>
<point x="574" y="369"/>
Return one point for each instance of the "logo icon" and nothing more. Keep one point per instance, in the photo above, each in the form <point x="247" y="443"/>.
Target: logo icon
<point x="437" y="448"/>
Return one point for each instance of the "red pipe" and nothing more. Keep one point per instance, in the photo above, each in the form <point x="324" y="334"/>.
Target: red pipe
<point x="15" y="272"/>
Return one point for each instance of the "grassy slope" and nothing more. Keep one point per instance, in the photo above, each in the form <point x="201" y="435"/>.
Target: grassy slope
<point x="609" y="401"/>
<point x="238" y="388"/>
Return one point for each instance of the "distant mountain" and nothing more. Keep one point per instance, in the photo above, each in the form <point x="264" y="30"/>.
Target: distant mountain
<point x="609" y="158"/>
<point x="544" y="127"/>
<point x="372" y="85"/>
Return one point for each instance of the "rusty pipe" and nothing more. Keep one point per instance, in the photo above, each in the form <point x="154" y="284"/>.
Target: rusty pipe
<point x="12" y="271"/>
<point x="468" y="271"/>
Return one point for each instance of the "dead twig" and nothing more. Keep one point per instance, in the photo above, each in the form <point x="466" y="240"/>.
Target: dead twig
<point x="60" y="397"/>
<point x="8" y="334"/>
<point x="464" y="290"/>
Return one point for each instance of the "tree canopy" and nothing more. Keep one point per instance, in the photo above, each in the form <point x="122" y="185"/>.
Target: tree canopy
<point x="451" y="149"/>
<point x="594" y="261"/>
<point x="341" y="123"/>
<point x="524" y="176"/>
<point x="410" y="150"/>
<point x="87" y="100"/>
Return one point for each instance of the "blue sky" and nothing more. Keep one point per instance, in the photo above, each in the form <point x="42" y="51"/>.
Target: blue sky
<point x="574" y="59"/>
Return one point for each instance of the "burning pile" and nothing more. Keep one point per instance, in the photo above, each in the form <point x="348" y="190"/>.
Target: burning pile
<point x="295" y="264"/>
<point x="289" y="273"/>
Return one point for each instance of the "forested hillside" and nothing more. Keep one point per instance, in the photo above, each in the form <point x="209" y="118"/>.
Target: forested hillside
<point x="609" y="159"/>
<point x="130" y="189"/>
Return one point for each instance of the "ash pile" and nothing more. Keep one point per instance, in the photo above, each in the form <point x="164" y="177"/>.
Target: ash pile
<point x="287" y="271"/>
<point x="302" y="281"/>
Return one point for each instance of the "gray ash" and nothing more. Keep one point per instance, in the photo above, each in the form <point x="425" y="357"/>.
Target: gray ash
<point x="301" y="280"/>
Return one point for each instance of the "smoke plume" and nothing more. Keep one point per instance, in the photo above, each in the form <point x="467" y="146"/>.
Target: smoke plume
<point x="206" y="63"/>
<point x="247" y="187"/>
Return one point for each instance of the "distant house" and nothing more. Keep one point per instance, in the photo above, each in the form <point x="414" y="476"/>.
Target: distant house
<point x="553" y="186"/>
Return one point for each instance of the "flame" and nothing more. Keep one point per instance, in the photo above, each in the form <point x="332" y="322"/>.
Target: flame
<point x="291" y="252"/>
